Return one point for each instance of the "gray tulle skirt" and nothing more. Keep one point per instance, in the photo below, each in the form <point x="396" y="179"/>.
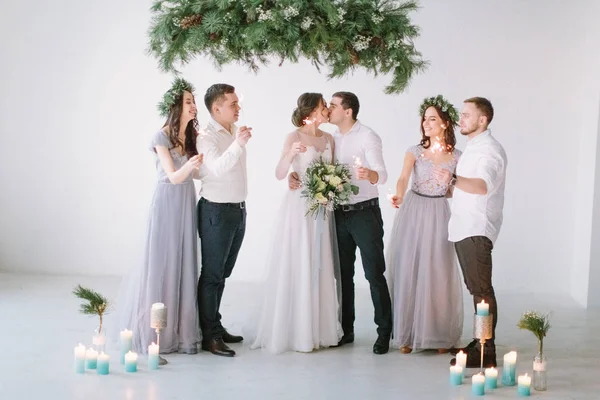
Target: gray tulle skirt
<point x="424" y="277"/>
<point x="168" y="274"/>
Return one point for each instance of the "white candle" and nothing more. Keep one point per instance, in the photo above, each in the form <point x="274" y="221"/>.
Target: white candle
<point x="103" y="363"/>
<point x="478" y="385"/>
<point x="91" y="358"/>
<point x="461" y="359"/>
<point x="524" y="380"/>
<point x="483" y="309"/>
<point x="510" y="358"/>
<point x="524" y="385"/>
<point x="491" y="372"/>
<point x="153" y="356"/>
<point x="491" y="378"/>
<point x="131" y="361"/>
<point x="126" y="342"/>
<point x="79" y="353"/>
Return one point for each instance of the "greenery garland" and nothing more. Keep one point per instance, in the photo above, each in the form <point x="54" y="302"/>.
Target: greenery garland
<point x="373" y="34"/>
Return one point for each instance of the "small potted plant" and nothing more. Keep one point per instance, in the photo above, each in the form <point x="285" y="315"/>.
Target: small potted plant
<point x="538" y="324"/>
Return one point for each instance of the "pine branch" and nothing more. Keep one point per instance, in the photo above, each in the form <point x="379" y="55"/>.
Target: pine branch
<point x="96" y="303"/>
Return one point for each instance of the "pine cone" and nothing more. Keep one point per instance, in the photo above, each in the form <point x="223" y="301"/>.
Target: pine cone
<point x="190" y="21"/>
<point x="377" y="41"/>
<point x="213" y="36"/>
<point x="354" y="56"/>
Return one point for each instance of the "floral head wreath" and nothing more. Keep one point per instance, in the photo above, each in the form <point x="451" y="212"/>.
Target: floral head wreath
<point x="172" y="95"/>
<point x="440" y="102"/>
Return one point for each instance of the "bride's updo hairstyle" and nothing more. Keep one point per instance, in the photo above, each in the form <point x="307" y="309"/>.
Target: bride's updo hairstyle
<point x="307" y="103"/>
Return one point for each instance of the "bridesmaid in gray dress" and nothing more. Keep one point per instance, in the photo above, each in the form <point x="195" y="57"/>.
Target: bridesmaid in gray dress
<point x="424" y="278"/>
<point x="169" y="272"/>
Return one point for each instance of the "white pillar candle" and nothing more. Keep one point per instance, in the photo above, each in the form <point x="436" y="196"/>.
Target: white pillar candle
<point x="153" y="356"/>
<point x="103" y="362"/>
<point x="91" y="358"/>
<point x="478" y="385"/>
<point x="483" y="308"/>
<point x="491" y="378"/>
<point x="461" y="359"/>
<point x="79" y="353"/>
<point x="509" y="369"/>
<point x="524" y="385"/>
<point x="126" y="343"/>
<point x="131" y="361"/>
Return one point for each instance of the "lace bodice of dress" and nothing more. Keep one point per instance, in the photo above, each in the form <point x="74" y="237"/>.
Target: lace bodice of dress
<point x="316" y="147"/>
<point x="423" y="180"/>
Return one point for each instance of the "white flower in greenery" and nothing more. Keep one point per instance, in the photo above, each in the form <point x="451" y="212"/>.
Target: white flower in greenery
<point x="335" y="181"/>
<point x="361" y="42"/>
<point x="306" y="23"/>
<point x="339" y="188"/>
<point x="377" y="19"/>
<point x="289" y="12"/>
<point x="321" y="199"/>
<point x="264" y="15"/>
<point x="326" y="178"/>
<point x="321" y="186"/>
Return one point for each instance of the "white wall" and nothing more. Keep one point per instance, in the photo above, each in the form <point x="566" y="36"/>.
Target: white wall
<point x="77" y="108"/>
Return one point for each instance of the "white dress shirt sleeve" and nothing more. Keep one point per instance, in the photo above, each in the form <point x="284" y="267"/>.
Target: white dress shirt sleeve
<point x="218" y="163"/>
<point x="374" y="157"/>
<point x="489" y="167"/>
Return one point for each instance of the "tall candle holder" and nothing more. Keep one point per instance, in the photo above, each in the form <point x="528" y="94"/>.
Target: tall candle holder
<point x="482" y="330"/>
<point x="158" y="319"/>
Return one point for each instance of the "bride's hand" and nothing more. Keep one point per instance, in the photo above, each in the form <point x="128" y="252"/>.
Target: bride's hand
<point x="297" y="147"/>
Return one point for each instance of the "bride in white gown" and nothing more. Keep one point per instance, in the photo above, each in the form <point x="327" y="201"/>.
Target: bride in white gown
<point x="300" y="310"/>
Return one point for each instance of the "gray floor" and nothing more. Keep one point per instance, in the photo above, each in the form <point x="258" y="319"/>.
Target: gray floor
<point x="40" y="325"/>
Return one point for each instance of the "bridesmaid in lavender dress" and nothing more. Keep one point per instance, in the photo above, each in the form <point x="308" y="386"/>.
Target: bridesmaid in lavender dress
<point x="424" y="279"/>
<point x="169" y="271"/>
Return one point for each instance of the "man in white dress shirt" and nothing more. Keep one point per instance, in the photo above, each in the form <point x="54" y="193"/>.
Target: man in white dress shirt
<point x="477" y="204"/>
<point x="221" y="210"/>
<point x="359" y="224"/>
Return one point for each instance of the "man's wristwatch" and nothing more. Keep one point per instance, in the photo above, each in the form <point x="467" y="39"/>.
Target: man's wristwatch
<point x="453" y="180"/>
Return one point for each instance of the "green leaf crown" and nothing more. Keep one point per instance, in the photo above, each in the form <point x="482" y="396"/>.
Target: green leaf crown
<point x="172" y="96"/>
<point x="440" y="102"/>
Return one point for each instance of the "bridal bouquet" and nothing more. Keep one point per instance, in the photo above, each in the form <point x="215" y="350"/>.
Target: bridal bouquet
<point x="326" y="186"/>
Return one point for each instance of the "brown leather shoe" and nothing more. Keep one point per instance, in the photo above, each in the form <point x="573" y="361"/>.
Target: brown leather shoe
<point x="229" y="338"/>
<point x="217" y="347"/>
<point x="405" y="350"/>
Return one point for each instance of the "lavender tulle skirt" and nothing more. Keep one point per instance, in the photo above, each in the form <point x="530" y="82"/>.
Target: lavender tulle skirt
<point x="424" y="276"/>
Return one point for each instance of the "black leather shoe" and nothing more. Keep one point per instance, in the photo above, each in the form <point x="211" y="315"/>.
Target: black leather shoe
<point x="347" y="338"/>
<point x="217" y="347"/>
<point x="474" y="343"/>
<point x="229" y="338"/>
<point x="382" y="344"/>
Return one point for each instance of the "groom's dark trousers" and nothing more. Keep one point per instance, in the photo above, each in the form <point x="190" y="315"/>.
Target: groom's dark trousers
<point x="360" y="225"/>
<point x="221" y="227"/>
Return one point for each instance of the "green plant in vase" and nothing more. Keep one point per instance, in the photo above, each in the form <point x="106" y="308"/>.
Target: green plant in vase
<point x="94" y="304"/>
<point x="539" y="325"/>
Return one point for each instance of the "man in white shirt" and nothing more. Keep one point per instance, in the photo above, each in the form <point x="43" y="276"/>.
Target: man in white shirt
<point x="477" y="209"/>
<point x="359" y="224"/>
<point x="221" y="210"/>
